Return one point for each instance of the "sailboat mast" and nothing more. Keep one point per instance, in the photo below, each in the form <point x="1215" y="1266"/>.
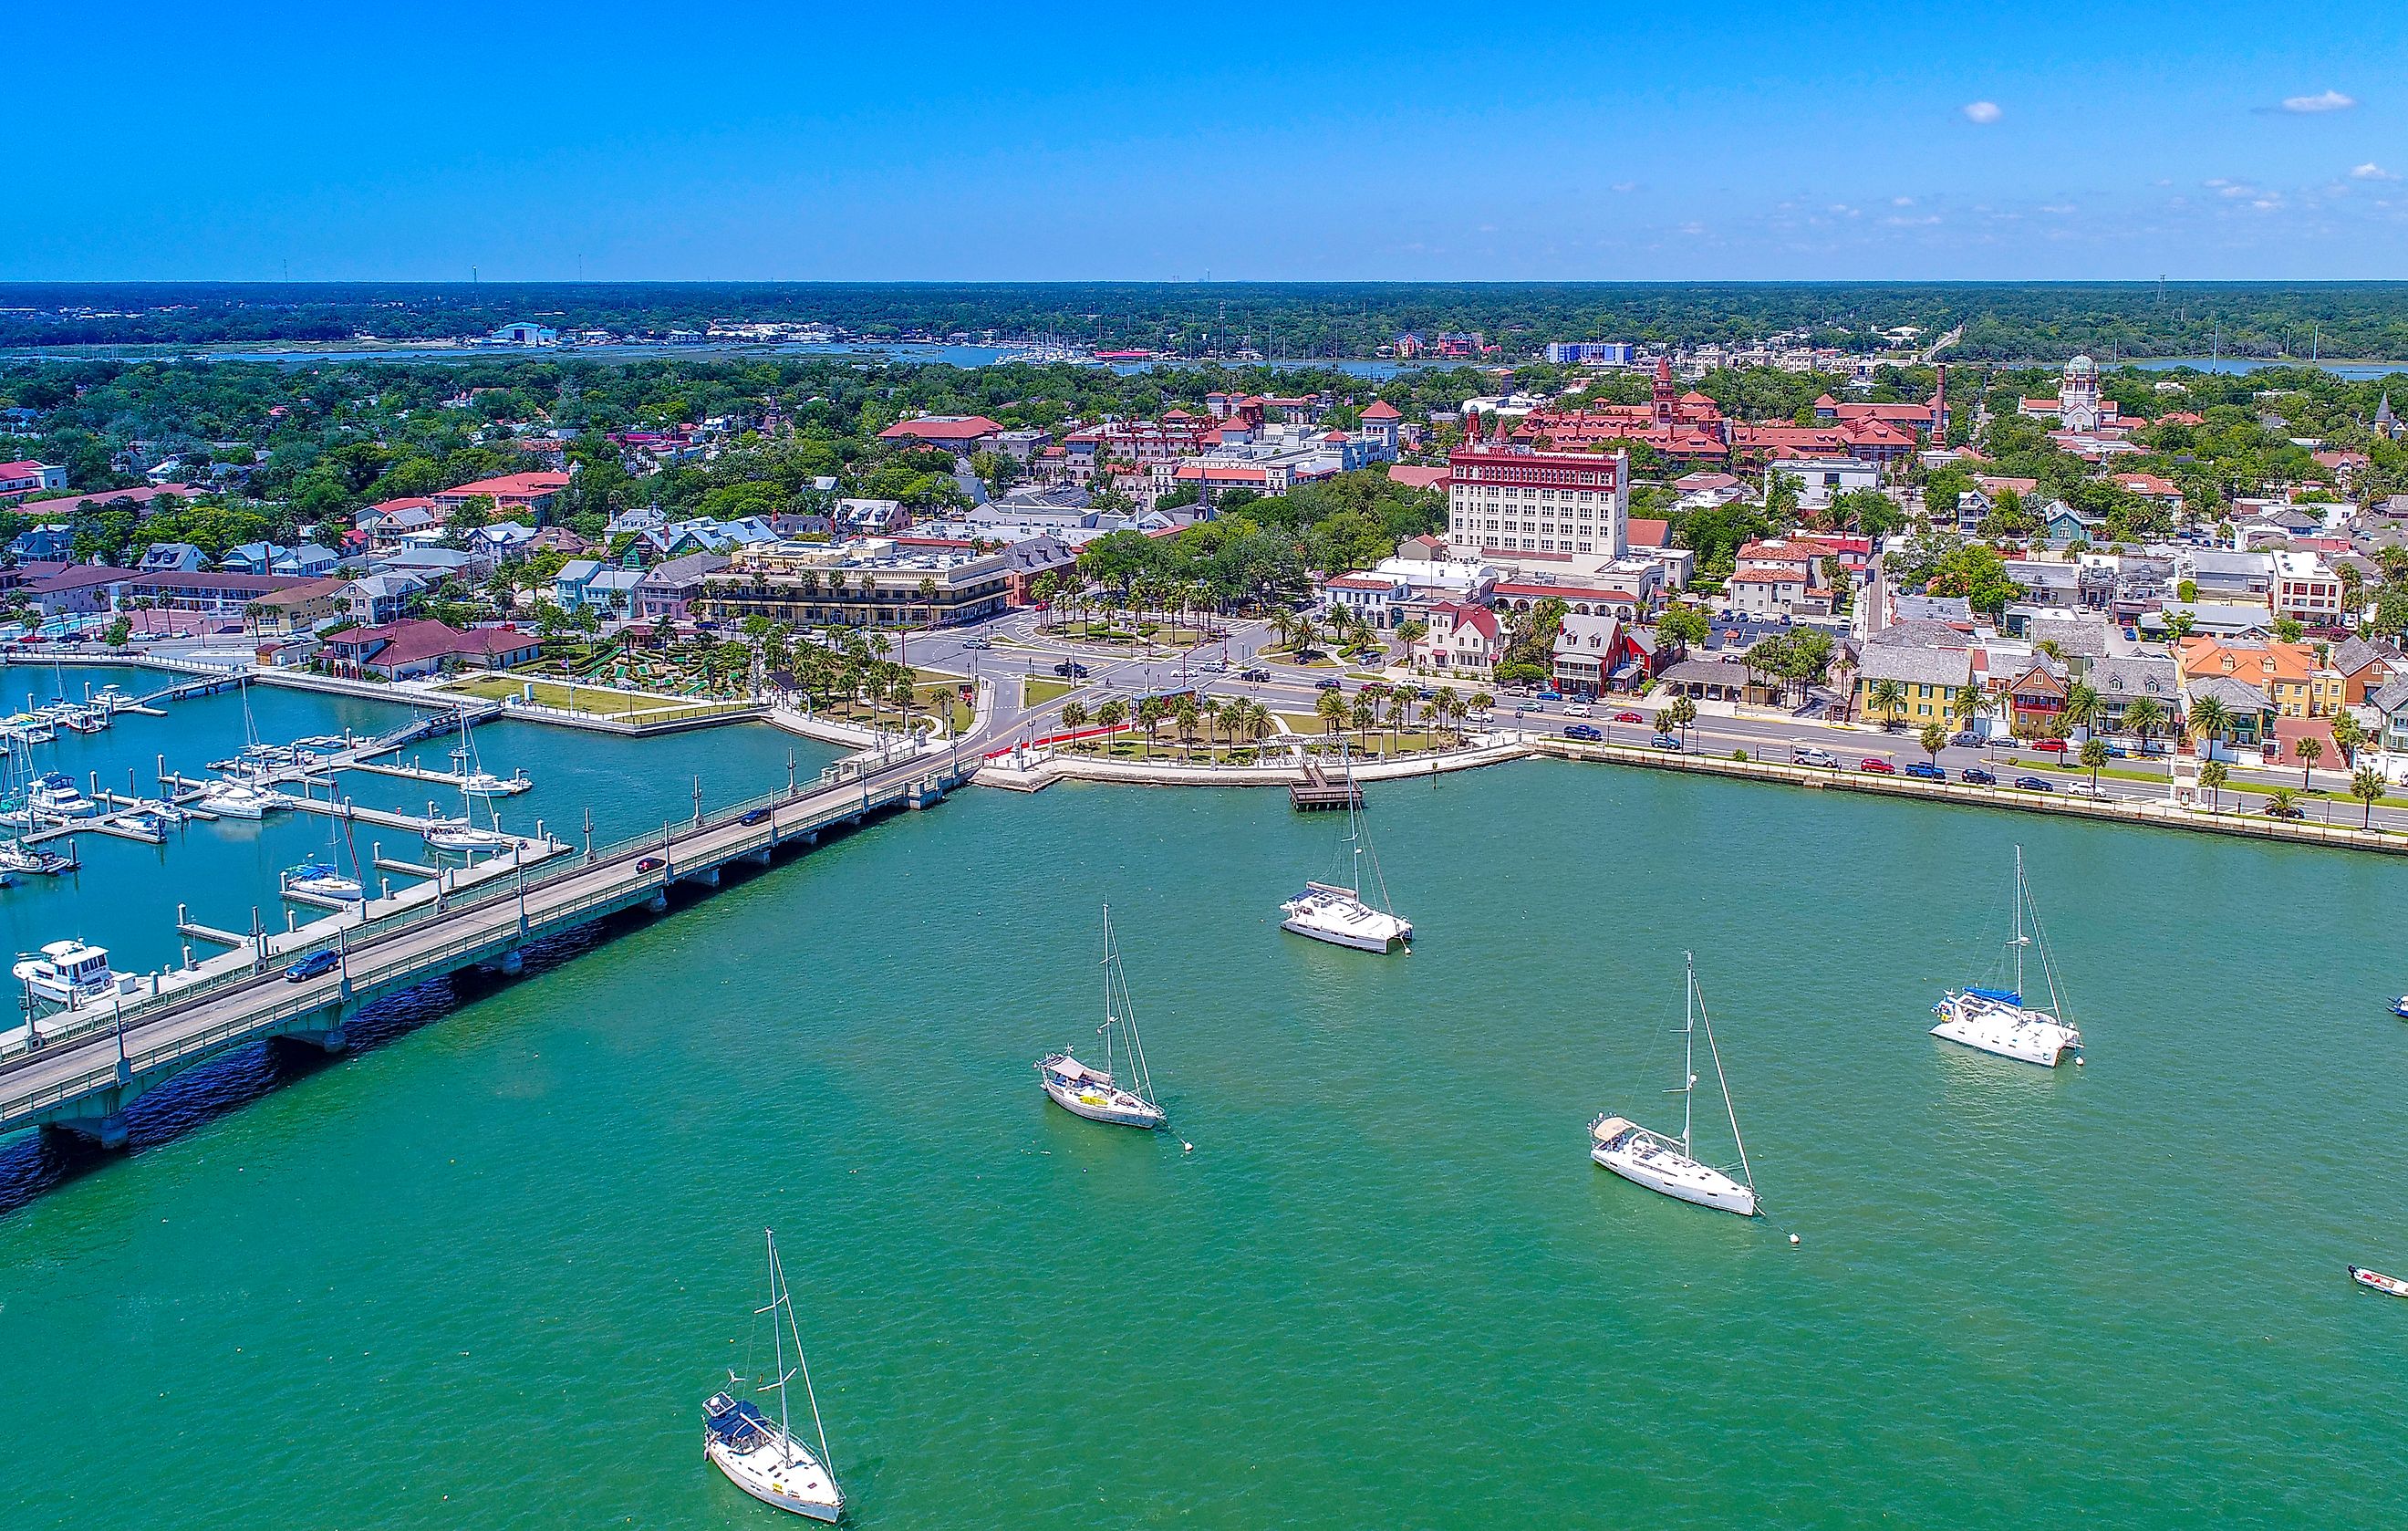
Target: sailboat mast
<point x="777" y="1346"/>
<point x="2018" y="896"/>
<point x="1688" y="1044"/>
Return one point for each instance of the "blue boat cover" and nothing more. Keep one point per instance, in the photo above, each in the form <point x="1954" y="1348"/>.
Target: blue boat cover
<point x="743" y="1426"/>
<point x="2007" y="994"/>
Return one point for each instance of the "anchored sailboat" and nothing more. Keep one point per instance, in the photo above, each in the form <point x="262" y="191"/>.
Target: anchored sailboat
<point x="764" y="1460"/>
<point x="1336" y="912"/>
<point x="462" y="834"/>
<point x="1095" y="1093"/>
<point x="1997" y="1019"/>
<point x="1663" y="1163"/>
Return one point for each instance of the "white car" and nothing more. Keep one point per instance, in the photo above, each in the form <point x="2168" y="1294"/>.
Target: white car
<point x="1807" y="755"/>
<point x="1576" y="709"/>
<point x="977" y="642"/>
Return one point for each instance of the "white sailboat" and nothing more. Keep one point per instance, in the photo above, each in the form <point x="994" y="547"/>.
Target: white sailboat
<point x="762" y="1458"/>
<point x="1095" y="1093"/>
<point x="462" y="834"/>
<point x="1663" y="1163"/>
<point x="1336" y="912"/>
<point x="1997" y="1019"/>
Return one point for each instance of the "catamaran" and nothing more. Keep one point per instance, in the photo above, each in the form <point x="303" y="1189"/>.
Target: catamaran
<point x="1095" y="1093"/>
<point x="1664" y="1163"/>
<point x="762" y="1459"/>
<point x="1997" y="1019"/>
<point x="237" y="799"/>
<point x="1336" y="912"/>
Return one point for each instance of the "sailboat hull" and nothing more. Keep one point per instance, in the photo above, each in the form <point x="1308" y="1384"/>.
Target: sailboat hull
<point x="1117" y="1108"/>
<point x="1673" y="1175"/>
<point x="799" y="1487"/>
<point x="2007" y="1031"/>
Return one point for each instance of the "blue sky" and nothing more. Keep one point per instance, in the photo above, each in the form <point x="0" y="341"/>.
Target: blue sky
<point x="931" y="141"/>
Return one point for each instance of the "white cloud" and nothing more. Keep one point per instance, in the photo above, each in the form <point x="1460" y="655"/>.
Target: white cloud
<point x="2328" y="100"/>
<point x="2372" y="171"/>
<point x="1902" y="201"/>
<point x="1984" y="112"/>
<point x="1625" y="187"/>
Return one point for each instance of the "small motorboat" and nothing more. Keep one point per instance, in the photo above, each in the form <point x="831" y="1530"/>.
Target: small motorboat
<point x="69" y="973"/>
<point x="2400" y="1007"/>
<point x="2388" y="1285"/>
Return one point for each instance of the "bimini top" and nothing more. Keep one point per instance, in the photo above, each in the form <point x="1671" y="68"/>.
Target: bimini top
<point x="1606" y="1129"/>
<point x="1069" y="1068"/>
<point x="2008" y="995"/>
<point x="741" y="1424"/>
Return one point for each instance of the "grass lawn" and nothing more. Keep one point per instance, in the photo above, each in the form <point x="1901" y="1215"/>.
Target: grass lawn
<point x="583" y="699"/>
<point x="1037" y="690"/>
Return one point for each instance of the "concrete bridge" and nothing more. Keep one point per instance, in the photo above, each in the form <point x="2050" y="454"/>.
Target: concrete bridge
<point x="83" y="1085"/>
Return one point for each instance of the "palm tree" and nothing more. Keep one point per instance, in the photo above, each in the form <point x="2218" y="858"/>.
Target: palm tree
<point x="1888" y="699"/>
<point x="2082" y="706"/>
<point x="1966" y="706"/>
<point x="2094" y="755"/>
<point x="2308" y="750"/>
<point x="1184" y="714"/>
<point x="1211" y="707"/>
<point x="2366" y="785"/>
<point x="2348" y="735"/>
<point x="1683" y="713"/>
<point x="1111" y="714"/>
<point x="2213" y="777"/>
<point x="1450" y="708"/>
<point x="1332" y="710"/>
<point x="1933" y="739"/>
<point x="1074" y="716"/>
<point x="2210" y="720"/>
<point x="1401" y="709"/>
<point x="1150" y="714"/>
<point x="1364" y="714"/>
<point x="2283" y="802"/>
<point x="2143" y="716"/>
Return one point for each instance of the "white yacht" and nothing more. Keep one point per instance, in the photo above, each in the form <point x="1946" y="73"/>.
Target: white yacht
<point x="1336" y="912"/>
<point x="54" y="794"/>
<point x="324" y="880"/>
<point x="1998" y="1021"/>
<point x="1095" y="1093"/>
<point x="68" y="973"/>
<point x="761" y="1456"/>
<point x="1664" y="1163"/>
<point x="235" y="799"/>
<point x="459" y="834"/>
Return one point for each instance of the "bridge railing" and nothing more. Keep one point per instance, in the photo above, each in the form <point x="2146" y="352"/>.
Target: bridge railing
<point x="499" y="891"/>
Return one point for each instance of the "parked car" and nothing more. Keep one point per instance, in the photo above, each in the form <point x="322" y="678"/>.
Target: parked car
<point x="316" y="965"/>
<point x="2088" y="789"/>
<point x="1576" y="709"/>
<point x="1425" y="694"/>
<point x="758" y="815"/>
<point x="1807" y="755"/>
<point x="978" y="642"/>
<point x="2050" y="747"/>
<point x="1665" y="741"/>
<point x="1551" y="696"/>
<point x="1878" y="765"/>
<point x="1257" y="674"/>
<point x="1328" y="683"/>
<point x="1583" y="730"/>
<point x="1627" y="715"/>
<point x="2285" y="810"/>
<point x="1923" y="770"/>
<point x="1976" y="776"/>
<point x="1966" y="740"/>
<point x="2117" y="751"/>
<point x="2032" y="784"/>
<point x="650" y="863"/>
<point x="1070" y="670"/>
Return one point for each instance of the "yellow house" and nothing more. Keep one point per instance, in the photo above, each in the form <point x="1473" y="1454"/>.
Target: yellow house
<point x="1928" y="679"/>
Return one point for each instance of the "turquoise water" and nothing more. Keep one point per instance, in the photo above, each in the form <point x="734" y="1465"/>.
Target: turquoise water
<point x="484" y="1273"/>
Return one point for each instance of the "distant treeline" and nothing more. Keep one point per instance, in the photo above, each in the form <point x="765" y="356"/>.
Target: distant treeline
<point x="2001" y="322"/>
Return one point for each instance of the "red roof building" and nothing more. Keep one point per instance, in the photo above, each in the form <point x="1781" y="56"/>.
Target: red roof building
<point x="533" y="491"/>
<point x="401" y="650"/>
<point x="961" y="432"/>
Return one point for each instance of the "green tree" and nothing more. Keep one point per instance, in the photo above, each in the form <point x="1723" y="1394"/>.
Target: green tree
<point x="2210" y="721"/>
<point x="1151" y="710"/>
<point x="1681" y="626"/>
<point x="2094" y="755"/>
<point x="1888" y="700"/>
<point x="2365" y="785"/>
<point x="2212" y="775"/>
<point x="2143" y="716"/>
<point x="1934" y="738"/>
<point x="1680" y="713"/>
<point x="2309" y="750"/>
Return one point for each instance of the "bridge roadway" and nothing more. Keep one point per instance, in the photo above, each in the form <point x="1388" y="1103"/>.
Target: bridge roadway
<point x="83" y="1085"/>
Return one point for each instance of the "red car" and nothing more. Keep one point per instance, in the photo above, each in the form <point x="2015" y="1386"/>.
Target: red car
<point x="2052" y="746"/>
<point x="1878" y="765"/>
<point x="1629" y="718"/>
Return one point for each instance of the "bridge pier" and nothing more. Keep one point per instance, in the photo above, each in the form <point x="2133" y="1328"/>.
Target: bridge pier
<point x="658" y="904"/>
<point x="761" y="856"/>
<point x="108" y="1131"/>
<point x="708" y="877"/>
<point x="330" y="1039"/>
